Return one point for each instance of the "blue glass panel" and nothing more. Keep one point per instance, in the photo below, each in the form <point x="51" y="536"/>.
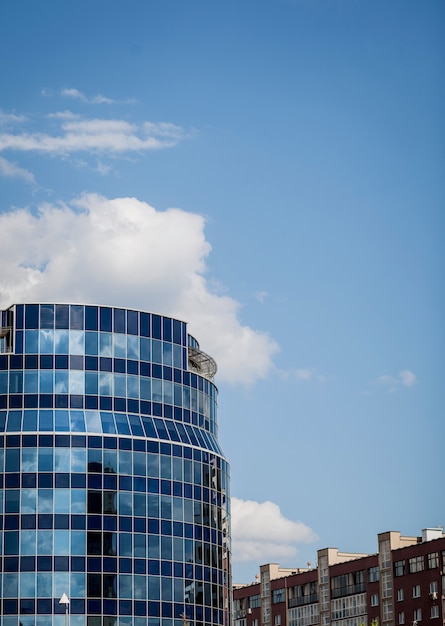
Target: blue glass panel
<point x="32" y="316"/>
<point x="182" y="433"/>
<point x="119" y="346"/>
<point x="107" y="423"/>
<point x="3" y="382"/>
<point x="30" y="421"/>
<point x="61" y="382"/>
<point x="145" y="389"/>
<point x="77" y="421"/>
<point x="133" y="387"/>
<point x="62" y="421"/>
<point x="160" y="427"/>
<point x="77" y="342"/>
<point x="16" y="382"/>
<point x="31" y="381"/>
<point x="148" y="427"/>
<point x="105" y="319"/>
<point x="91" y="318"/>
<point x="31" y="341"/>
<point x="122" y="424"/>
<point x="136" y="426"/>
<point x="172" y="431"/>
<point x="46" y="381"/>
<point x="62" y="316"/>
<point x="119" y="321"/>
<point x="132" y="347"/>
<point x="191" y="435"/>
<point x="14" y="421"/>
<point x="91" y="343"/>
<point x="76" y="317"/>
<point x="105" y="343"/>
<point x="93" y="421"/>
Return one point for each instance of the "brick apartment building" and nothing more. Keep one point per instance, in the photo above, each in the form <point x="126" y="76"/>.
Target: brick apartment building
<point x="403" y="583"/>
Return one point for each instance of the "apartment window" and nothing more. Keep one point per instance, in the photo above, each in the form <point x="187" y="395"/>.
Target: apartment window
<point x="277" y="620"/>
<point x="278" y="595"/>
<point x="399" y="568"/>
<point x="254" y="602"/>
<point x="387" y="610"/>
<point x="416" y="564"/>
<point x="255" y="622"/>
<point x="434" y="611"/>
<point x="373" y="574"/>
<point x="401" y="618"/>
<point x="433" y="586"/>
<point x="433" y="560"/>
<point x="400" y="595"/>
<point x="417" y="615"/>
<point x="374" y="599"/>
<point x="416" y="591"/>
<point x="386" y="584"/>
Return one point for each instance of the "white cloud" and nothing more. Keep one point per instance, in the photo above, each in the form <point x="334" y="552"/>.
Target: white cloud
<point x="96" y="135"/>
<point x="124" y="252"/>
<point x="261" y="533"/>
<point x="304" y="374"/>
<point x="405" y="378"/>
<point x="11" y="170"/>
<point x="11" y="118"/>
<point x="261" y="296"/>
<point x="78" y="95"/>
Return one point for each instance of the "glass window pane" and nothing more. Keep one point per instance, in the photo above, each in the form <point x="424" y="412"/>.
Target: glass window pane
<point x="61" y="341"/>
<point x="46" y="341"/>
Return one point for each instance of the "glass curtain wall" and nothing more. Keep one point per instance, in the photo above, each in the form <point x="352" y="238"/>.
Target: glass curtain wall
<point x="113" y="487"/>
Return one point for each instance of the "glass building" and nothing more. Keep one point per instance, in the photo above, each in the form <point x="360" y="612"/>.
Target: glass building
<point x="113" y="487"/>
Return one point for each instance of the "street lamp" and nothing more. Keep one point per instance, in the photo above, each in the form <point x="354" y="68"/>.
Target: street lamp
<point x="64" y="600"/>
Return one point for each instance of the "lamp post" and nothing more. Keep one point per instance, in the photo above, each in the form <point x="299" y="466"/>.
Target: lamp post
<point x="64" y="600"/>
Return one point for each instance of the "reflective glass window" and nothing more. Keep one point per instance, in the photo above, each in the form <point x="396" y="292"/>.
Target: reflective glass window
<point x="133" y="386"/>
<point x="28" y="584"/>
<point x="77" y="380"/>
<point x="62" y="420"/>
<point x="61" y="382"/>
<point x="167" y="353"/>
<point x="119" y="346"/>
<point x="105" y="383"/>
<point x="91" y="343"/>
<point x="120" y="385"/>
<point x="145" y="349"/>
<point x="46" y="381"/>
<point x="45" y="542"/>
<point x="156" y="348"/>
<point x="46" y="341"/>
<point x="132" y="347"/>
<point x="91" y="383"/>
<point x="77" y="421"/>
<point x="15" y="382"/>
<point x="61" y="501"/>
<point x="28" y="498"/>
<point x="44" y="585"/>
<point x="145" y="388"/>
<point x="31" y="341"/>
<point x="31" y="381"/>
<point x="105" y="344"/>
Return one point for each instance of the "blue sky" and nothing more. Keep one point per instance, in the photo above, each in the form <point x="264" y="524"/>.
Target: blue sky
<point x="301" y="143"/>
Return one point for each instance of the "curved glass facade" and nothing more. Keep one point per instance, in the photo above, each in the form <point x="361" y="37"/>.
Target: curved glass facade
<point x="113" y="487"/>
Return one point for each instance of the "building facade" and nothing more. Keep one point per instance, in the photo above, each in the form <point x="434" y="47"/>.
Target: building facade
<point x="113" y="487"/>
<point x="403" y="583"/>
